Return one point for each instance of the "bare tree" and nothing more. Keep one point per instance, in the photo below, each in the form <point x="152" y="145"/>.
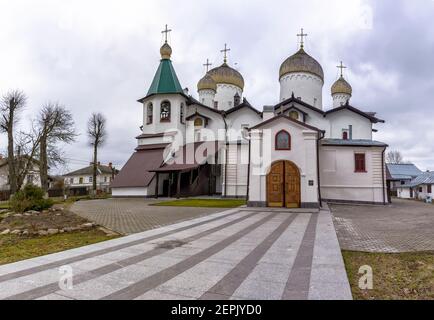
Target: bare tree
<point x="96" y="131"/>
<point x="394" y="157"/>
<point x="10" y="106"/>
<point x="56" y="125"/>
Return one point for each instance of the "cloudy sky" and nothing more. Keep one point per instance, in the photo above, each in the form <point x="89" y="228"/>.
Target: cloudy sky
<point x="100" y="56"/>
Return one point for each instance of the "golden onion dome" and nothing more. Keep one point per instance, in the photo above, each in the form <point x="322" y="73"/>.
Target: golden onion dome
<point x="226" y="74"/>
<point x="207" y="83"/>
<point x="165" y="51"/>
<point x="341" y="86"/>
<point x="301" y="62"/>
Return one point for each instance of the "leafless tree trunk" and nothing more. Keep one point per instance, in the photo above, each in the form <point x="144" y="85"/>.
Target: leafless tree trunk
<point x="96" y="131"/>
<point x="394" y="157"/>
<point x="10" y="106"/>
<point x="56" y="125"/>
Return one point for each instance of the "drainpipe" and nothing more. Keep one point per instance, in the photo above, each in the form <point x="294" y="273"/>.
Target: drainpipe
<point x="248" y="172"/>
<point x="382" y="175"/>
<point x="226" y="154"/>
<point x="317" y="167"/>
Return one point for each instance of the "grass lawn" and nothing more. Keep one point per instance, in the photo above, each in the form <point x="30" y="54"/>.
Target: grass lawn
<point x="204" y="203"/>
<point x="15" y="248"/>
<point x="396" y="276"/>
<point x="4" y="205"/>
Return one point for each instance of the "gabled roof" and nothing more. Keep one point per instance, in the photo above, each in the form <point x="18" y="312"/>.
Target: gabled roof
<point x="423" y="178"/>
<point x="197" y="114"/>
<point x="352" y="143"/>
<point x="368" y="115"/>
<point x="294" y="99"/>
<point x="244" y="104"/>
<point x="295" y="108"/>
<point x="286" y="118"/>
<point x="191" y="101"/>
<point x="403" y="171"/>
<point x="101" y="169"/>
<point x="4" y="161"/>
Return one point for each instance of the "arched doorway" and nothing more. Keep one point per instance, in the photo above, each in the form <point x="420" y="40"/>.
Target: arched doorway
<point x="283" y="185"/>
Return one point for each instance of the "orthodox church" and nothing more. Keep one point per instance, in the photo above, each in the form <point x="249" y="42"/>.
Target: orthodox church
<point x="291" y="154"/>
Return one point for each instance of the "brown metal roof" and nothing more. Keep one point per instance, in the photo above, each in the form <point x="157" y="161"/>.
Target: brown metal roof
<point x="136" y="172"/>
<point x="152" y="146"/>
<point x="156" y="135"/>
<point x="176" y="167"/>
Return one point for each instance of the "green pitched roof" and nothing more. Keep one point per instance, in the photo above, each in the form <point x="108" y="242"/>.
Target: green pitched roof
<point x="165" y="79"/>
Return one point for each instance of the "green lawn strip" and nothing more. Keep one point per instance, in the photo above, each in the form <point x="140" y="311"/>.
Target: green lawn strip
<point x="396" y="276"/>
<point x="15" y="248"/>
<point x="203" y="203"/>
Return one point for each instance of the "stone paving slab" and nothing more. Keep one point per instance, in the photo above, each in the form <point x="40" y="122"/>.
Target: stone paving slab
<point x="236" y="254"/>
<point x="403" y="226"/>
<point x="127" y="216"/>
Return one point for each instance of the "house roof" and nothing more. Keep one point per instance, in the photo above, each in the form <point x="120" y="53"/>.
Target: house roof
<point x="244" y="104"/>
<point x="135" y="172"/>
<point x="352" y="143"/>
<point x="287" y="118"/>
<point x="197" y="114"/>
<point x="423" y="178"/>
<point x="4" y="161"/>
<point x="403" y="171"/>
<point x="368" y="115"/>
<point x="101" y="169"/>
<point x="156" y="135"/>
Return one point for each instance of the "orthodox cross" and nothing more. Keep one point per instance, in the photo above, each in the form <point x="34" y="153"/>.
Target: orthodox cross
<point x="166" y="32"/>
<point x="225" y="51"/>
<point x="207" y="65"/>
<point x="302" y="35"/>
<point x="342" y="67"/>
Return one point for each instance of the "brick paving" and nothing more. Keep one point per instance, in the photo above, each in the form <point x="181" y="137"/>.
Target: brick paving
<point x="127" y="216"/>
<point x="235" y="254"/>
<point x="403" y="226"/>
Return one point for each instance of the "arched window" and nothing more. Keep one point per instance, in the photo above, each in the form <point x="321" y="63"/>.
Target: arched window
<point x="198" y="122"/>
<point x="165" y="111"/>
<point x="283" y="140"/>
<point x="149" y="113"/>
<point x="293" y="115"/>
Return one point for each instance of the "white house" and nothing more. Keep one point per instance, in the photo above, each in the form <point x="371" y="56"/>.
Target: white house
<point x="400" y="174"/>
<point x="420" y="187"/>
<point x="80" y="182"/>
<point x="32" y="176"/>
<point x="293" y="153"/>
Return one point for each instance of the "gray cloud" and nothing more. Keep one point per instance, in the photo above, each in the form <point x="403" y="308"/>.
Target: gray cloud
<point x="102" y="57"/>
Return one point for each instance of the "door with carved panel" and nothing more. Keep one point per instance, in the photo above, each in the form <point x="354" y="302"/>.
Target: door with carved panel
<point x="275" y="185"/>
<point x="292" y="185"/>
<point x="283" y="185"/>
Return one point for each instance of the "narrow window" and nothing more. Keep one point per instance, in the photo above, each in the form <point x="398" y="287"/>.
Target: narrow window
<point x="429" y="188"/>
<point x="71" y="180"/>
<point x="198" y="122"/>
<point x="283" y="140"/>
<point x="420" y="189"/>
<point x="181" y="114"/>
<point x="90" y="179"/>
<point x="165" y="111"/>
<point x="80" y="180"/>
<point x="360" y="162"/>
<point x="149" y="113"/>
<point x="216" y="104"/>
<point x="345" y="135"/>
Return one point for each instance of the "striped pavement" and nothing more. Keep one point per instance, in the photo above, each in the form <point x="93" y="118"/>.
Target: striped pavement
<point x="242" y="253"/>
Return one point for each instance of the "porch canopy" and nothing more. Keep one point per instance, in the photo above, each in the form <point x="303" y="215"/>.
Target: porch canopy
<point x="189" y="157"/>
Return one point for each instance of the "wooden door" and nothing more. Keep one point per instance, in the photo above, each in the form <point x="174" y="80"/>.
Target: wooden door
<point x="292" y="185"/>
<point x="283" y="185"/>
<point x="275" y="185"/>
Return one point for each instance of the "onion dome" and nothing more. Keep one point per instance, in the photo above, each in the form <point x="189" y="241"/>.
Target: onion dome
<point x="228" y="75"/>
<point x="301" y="62"/>
<point x="207" y="83"/>
<point x="341" y="86"/>
<point x="165" y="51"/>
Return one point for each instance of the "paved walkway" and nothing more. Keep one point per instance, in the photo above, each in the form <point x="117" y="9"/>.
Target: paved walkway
<point x="128" y="216"/>
<point x="236" y="254"/>
<point x="403" y="226"/>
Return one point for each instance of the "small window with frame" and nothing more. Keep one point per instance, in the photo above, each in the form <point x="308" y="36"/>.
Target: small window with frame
<point x="283" y="140"/>
<point x="360" y="162"/>
<point x="165" y="111"/>
<point x="149" y="113"/>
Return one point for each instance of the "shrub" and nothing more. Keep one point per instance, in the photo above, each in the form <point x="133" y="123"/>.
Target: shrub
<point x="30" y="198"/>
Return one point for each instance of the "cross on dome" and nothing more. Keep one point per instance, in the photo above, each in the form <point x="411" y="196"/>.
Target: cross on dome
<point x="302" y="35"/>
<point x="342" y="67"/>
<point x="225" y="51"/>
<point x="166" y="32"/>
<point x="207" y="65"/>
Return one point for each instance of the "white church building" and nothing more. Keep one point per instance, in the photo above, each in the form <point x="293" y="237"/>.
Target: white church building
<point x="295" y="153"/>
